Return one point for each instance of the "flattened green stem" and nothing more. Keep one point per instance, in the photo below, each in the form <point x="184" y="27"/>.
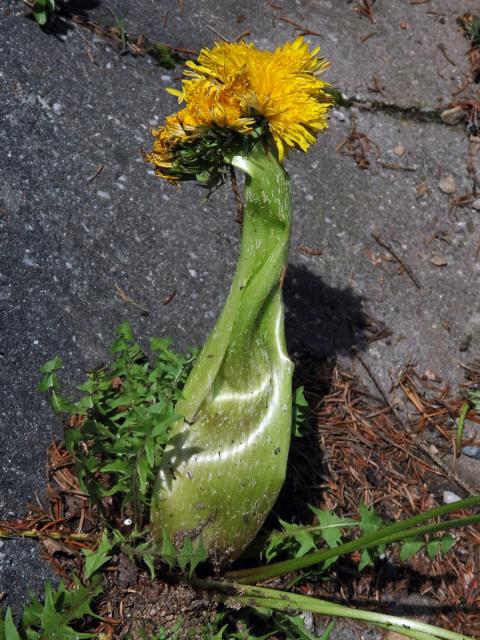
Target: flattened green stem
<point x="246" y="595"/>
<point x="226" y="461"/>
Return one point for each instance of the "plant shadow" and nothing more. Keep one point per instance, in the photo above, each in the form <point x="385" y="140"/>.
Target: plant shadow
<point x="321" y="323"/>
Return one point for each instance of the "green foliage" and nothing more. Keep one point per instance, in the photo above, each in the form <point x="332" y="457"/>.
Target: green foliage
<point x="240" y="625"/>
<point x="188" y="557"/>
<point x="53" y="619"/>
<point x="474" y="398"/>
<point x="96" y="559"/>
<point x="338" y="99"/>
<point x="123" y="419"/>
<point x="369" y="523"/>
<point x="42" y="11"/>
<point x="296" y="541"/>
<point x="471" y="26"/>
<point x="163" y="55"/>
<point x="433" y="546"/>
<point x="298" y="411"/>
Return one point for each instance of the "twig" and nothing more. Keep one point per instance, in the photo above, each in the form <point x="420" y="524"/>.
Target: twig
<point x="98" y="171"/>
<point x="308" y="251"/>
<point x="299" y="27"/>
<point x="372" y="377"/>
<point x="407" y="270"/>
<point x="244" y="34"/>
<point x="369" y="35"/>
<point x="169" y="298"/>
<point x="7" y="532"/>
<point x="358" y="145"/>
<point x="123" y="295"/>
<point x="443" y="49"/>
<point x="397" y="166"/>
<point x="217" y="33"/>
<point x="462" y="87"/>
<point x="192" y="52"/>
<point x="365" y="8"/>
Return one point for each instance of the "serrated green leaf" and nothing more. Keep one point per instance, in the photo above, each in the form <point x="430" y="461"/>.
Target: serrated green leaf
<point x="474" y="397"/>
<point x="298" y="404"/>
<point x="96" y="559"/>
<point x="62" y="607"/>
<point x="149" y="560"/>
<point x="410" y="547"/>
<point x="51" y="365"/>
<point x="9" y="628"/>
<point x="191" y="555"/>
<point x="143" y="471"/>
<point x="369" y="521"/>
<point x="439" y="545"/>
<point x="88" y="386"/>
<point x="59" y="404"/>
<point x="125" y="331"/>
<point x="331" y="526"/>
<point x="41" y="17"/>
<point x="365" y="559"/>
<point x="50" y="381"/>
<point x="306" y="541"/>
<point x="326" y="634"/>
<point x="150" y="450"/>
<point x="168" y="552"/>
<point x="117" y="466"/>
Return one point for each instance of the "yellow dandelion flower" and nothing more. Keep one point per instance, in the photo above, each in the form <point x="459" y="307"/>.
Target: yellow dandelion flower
<point x="238" y="89"/>
<point x="281" y="86"/>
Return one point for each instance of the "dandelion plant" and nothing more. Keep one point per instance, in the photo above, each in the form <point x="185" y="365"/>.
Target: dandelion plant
<point x="226" y="460"/>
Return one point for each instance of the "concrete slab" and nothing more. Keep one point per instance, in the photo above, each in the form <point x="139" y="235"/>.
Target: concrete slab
<point x="81" y="212"/>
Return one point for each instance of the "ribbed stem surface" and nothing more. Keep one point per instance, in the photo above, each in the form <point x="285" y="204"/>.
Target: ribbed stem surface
<point x="227" y="460"/>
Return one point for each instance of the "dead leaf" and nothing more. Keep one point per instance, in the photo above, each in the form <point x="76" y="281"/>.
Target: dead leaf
<point x="447" y="185"/>
<point x="422" y="189"/>
<point x="54" y="546"/>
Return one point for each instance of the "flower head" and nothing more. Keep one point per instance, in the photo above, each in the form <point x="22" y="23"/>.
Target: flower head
<point x="235" y="93"/>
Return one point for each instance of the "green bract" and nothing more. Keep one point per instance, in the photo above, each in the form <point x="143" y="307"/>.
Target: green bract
<point x="226" y="461"/>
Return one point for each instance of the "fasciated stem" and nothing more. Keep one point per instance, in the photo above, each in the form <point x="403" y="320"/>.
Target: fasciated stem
<point x="226" y="462"/>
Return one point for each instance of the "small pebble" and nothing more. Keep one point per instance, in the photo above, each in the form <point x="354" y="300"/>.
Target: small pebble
<point x="471" y="452"/>
<point x="453" y="116"/>
<point x="438" y="260"/>
<point x="476" y="204"/>
<point x="308" y="620"/>
<point x="57" y="108"/>
<point x="449" y="497"/>
<point x="399" y="150"/>
<point x="447" y="185"/>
